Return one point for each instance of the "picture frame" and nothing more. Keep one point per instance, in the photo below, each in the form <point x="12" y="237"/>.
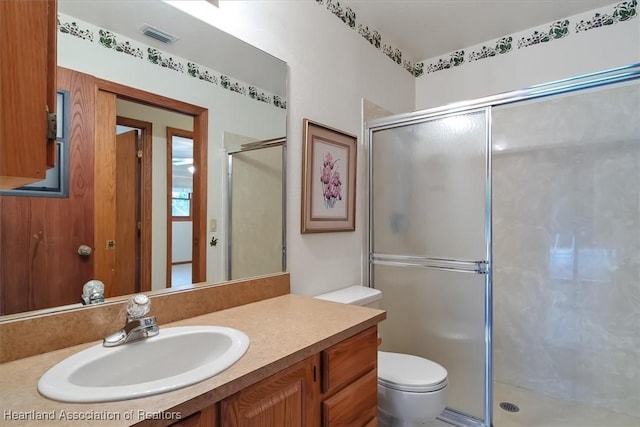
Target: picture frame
<point x="328" y="179"/>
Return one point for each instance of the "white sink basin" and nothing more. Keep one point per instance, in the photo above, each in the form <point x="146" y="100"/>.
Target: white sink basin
<point x="175" y="358"/>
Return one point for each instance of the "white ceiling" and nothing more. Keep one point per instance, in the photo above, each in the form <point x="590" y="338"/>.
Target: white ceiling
<point x="424" y="29"/>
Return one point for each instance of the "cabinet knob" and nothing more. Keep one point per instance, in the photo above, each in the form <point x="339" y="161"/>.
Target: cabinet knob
<point x="84" y="250"/>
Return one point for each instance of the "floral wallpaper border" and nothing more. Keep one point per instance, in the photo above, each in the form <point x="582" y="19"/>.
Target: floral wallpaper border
<point x="348" y="16"/>
<point x="623" y="11"/>
<point x="107" y="39"/>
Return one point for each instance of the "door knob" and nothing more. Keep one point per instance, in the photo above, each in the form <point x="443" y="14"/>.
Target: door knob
<point x="84" y="250"/>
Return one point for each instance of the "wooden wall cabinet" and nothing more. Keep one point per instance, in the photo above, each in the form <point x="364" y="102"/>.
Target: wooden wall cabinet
<point x="336" y="388"/>
<point x="28" y="30"/>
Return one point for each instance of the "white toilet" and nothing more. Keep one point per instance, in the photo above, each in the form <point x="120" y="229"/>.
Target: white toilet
<point x="412" y="390"/>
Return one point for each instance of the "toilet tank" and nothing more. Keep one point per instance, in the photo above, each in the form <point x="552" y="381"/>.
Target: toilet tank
<point x="357" y="295"/>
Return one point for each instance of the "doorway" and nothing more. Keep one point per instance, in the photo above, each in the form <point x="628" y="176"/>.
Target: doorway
<point x="180" y="171"/>
<point x="133" y="182"/>
<point x="105" y="257"/>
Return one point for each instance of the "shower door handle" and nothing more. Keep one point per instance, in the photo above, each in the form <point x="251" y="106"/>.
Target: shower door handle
<point x="478" y="267"/>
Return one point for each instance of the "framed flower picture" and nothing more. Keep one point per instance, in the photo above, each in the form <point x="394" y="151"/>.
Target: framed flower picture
<point x="328" y="179"/>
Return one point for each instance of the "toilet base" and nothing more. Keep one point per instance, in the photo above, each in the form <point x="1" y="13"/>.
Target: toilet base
<point x="398" y="408"/>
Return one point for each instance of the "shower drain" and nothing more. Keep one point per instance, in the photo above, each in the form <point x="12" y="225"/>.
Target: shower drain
<point x="509" y="407"/>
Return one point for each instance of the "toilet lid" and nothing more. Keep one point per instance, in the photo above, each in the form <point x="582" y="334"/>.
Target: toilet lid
<point x="405" y="372"/>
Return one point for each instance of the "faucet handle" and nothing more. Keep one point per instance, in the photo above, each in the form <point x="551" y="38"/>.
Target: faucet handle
<point x="93" y="292"/>
<point x="138" y="306"/>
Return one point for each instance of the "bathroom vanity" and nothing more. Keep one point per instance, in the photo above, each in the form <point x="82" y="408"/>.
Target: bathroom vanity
<point x="341" y="381"/>
<point x="310" y="363"/>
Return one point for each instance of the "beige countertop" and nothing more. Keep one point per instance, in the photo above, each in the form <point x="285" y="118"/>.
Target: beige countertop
<point x="282" y="331"/>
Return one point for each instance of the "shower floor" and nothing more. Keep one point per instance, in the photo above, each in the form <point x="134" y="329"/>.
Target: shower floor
<point x="538" y="410"/>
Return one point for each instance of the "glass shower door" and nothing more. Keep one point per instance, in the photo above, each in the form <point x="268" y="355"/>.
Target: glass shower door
<point x="429" y="248"/>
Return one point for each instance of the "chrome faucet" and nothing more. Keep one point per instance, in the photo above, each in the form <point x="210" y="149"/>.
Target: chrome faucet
<point x="137" y="326"/>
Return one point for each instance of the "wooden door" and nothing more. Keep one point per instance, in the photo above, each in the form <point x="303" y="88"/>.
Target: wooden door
<point x="39" y="236"/>
<point x="286" y="399"/>
<point x="117" y="192"/>
<point x="127" y="250"/>
<point x="105" y="196"/>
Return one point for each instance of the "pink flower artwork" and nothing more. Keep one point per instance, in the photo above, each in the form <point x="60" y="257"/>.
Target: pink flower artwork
<point x="330" y="179"/>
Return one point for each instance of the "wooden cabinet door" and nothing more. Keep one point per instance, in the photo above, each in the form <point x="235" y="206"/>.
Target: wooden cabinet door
<point x="28" y="31"/>
<point x="286" y="399"/>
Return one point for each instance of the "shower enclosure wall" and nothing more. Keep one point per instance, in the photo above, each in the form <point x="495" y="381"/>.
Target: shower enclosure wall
<point x="505" y="237"/>
<point x="255" y="219"/>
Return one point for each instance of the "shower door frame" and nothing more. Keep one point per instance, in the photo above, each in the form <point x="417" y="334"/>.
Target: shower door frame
<point x="603" y="78"/>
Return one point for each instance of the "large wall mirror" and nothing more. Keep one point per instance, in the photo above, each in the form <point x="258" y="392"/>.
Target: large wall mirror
<point x="206" y="86"/>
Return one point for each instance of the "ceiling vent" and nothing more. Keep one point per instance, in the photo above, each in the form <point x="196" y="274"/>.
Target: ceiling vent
<point x="158" y="34"/>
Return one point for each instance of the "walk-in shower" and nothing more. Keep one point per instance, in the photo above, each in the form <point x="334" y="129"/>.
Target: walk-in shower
<point x="505" y="237"/>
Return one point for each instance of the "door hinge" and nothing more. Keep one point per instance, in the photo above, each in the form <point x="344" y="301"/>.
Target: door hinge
<point x="52" y="125"/>
<point x="139" y="154"/>
<point x="314" y="373"/>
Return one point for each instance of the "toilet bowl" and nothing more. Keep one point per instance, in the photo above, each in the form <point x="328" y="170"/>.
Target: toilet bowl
<point x="412" y="390"/>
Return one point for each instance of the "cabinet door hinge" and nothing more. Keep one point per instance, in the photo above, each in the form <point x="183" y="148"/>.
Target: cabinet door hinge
<point x="314" y="373"/>
<point x="52" y="125"/>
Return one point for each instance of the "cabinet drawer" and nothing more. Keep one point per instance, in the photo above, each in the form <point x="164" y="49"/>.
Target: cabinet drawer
<point x="353" y="406"/>
<point x="349" y="360"/>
